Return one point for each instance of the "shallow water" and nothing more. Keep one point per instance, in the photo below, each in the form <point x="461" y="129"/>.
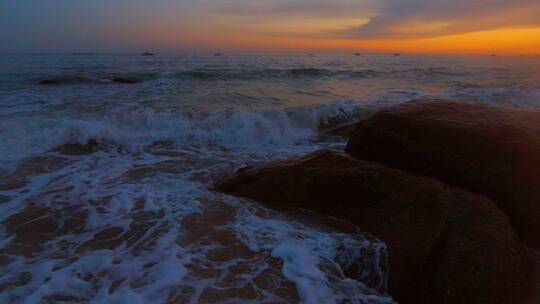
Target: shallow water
<point x="137" y="220"/>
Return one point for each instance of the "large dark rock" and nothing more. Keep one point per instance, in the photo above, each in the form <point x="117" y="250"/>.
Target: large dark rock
<point x="444" y="245"/>
<point x="489" y="150"/>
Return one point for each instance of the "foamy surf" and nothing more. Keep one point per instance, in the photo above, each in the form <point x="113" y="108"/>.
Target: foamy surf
<point x="110" y="228"/>
<point x="135" y="220"/>
<point x="137" y="128"/>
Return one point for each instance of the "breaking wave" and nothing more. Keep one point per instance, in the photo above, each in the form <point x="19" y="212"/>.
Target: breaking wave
<point x="232" y="129"/>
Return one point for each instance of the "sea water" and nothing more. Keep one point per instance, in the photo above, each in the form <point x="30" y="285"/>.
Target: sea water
<point x="138" y="222"/>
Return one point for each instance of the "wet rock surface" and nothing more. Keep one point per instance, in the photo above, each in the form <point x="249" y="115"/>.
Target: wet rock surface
<point x="445" y="245"/>
<point x="493" y="151"/>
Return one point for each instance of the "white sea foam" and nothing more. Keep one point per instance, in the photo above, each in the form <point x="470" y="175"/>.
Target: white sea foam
<point x="307" y="251"/>
<point x="151" y="264"/>
<point x="301" y="267"/>
<point x="134" y="129"/>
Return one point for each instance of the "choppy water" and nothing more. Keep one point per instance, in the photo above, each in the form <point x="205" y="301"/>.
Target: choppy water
<point x="137" y="221"/>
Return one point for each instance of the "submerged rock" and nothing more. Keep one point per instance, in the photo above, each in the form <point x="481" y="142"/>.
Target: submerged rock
<point x="445" y="245"/>
<point x="489" y="150"/>
<point x="89" y="147"/>
<point x="28" y="168"/>
<point x="124" y="80"/>
<point x="49" y="82"/>
<point x="34" y="226"/>
<point x="65" y="80"/>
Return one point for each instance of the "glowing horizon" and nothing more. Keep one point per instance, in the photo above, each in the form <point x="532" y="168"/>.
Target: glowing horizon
<point x="418" y="26"/>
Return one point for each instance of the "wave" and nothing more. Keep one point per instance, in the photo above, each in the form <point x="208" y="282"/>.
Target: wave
<point x="510" y="95"/>
<point x="295" y="73"/>
<point x="64" y="79"/>
<point x="428" y="72"/>
<point x="73" y="79"/>
<point x="204" y="74"/>
<point x="224" y="74"/>
<point x="231" y="129"/>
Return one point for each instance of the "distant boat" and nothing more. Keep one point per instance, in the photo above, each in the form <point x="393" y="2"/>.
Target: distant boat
<point x="493" y="55"/>
<point x="397" y="54"/>
<point x="147" y="54"/>
<point x="311" y="55"/>
<point x="357" y="54"/>
<point x="218" y="54"/>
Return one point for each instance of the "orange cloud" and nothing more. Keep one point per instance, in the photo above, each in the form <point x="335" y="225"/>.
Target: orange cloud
<point x="504" y="41"/>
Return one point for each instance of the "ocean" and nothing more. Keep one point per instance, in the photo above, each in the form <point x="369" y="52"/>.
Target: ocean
<point x="137" y="221"/>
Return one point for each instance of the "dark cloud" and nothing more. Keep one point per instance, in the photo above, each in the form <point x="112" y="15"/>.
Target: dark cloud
<point x="394" y="18"/>
<point x="306" y="8"/>
<point x="431" y="18"/>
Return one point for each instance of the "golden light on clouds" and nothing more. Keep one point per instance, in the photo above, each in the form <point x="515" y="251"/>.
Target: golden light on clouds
<point x="312" y="27"/>
<point x="504" y="41"/>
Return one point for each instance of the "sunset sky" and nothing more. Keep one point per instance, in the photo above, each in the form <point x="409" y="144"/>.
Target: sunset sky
<point x="175" y="26"/>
